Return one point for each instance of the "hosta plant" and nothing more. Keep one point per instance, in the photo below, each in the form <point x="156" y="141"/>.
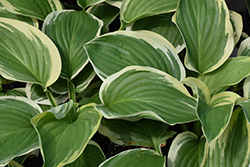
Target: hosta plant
<point x="164" y="77"/>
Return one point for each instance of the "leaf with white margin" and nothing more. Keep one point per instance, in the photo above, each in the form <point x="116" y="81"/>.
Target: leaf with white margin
<point x="237" y="23"/>
<point x="17" y="92"/>
<point x="86" y="3"/>
<point x="5" y="13"/>
<point x="116" y="3"/>
<point x="63" y="141"/>
<point x="62" y="110"/>
<point x="112" y="52"/>
<point x="186" y="150"/>
<point x="70" y="30"/>
<point x="230" y="73"/>
<point x="36" y="93"/>
<point x="144" y="92"/>
<point x="144" y="133"/>
<point x="27" y="54"/>
<point x="33" y="8"/>
<point x="233" y="147"/>
<point x="244" y="49"/>
<point x="215" y="116"/>
<point x="140" y="157"/>
<point x="17" y="135"/>
<point x="132" y="10"/>
<point x="92" y="156"/>
<point x="207" y="32"/>
<point x="163" y="25"/>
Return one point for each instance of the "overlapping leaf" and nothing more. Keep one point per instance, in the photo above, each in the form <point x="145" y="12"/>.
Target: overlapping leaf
<point x="17" y="135"/>
<point x="26" y="54"/>
<point x="116" y="3"/>
<point x="207" y="32"/>
<point x="135" y="158"/>
<point x="230" y="73"/>
<point x="146" y="92"/>
<point x="63" y="141"/>
<point x="86" y="3"/>
<point x="146" y="133"/>
<point x="163" y="25"/>
<point x="237" y="23"/>
<point x="244" y="49"/>
<point x="232" y="148"/>
<point x="33" y="8"/>
<point x="70" y="30"/>
<point x="186" y="150"/>
<point x="132" y="10"/>
<point x="114" y="51"/>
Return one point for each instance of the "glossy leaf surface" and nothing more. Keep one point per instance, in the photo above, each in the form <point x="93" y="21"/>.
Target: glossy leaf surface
<point x="147" y="93"/>
<point x="17" y="135"/>
<point x="208" y="46"/>
<point x="186" y="150"/>
<point x="132" y="10"/>
<point x="70" y="30"/>
<point x="114" y="51"/>
<point x="135" y="158"/>
<point x="26" y="54"/>
<point x="33" y="8"/>
<point x="232" y="148"/>
<point x="146" y="133"/>
<point x="63" y="141"/>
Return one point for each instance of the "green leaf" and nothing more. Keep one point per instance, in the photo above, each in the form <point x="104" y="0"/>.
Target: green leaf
<point x="186" y="150"/>
<point x="86" y="3"/>
<point x="144" y="92"/>
<point x="162" y="25"/>
<point x="17" y="92"/>
<point x="145" y="133"/>
<point x="244" y="49"/>
<point x="246" y="108"/>
<point x="61" y="111"/>
<point x="112" y="52"/>
<point x="60" y="86"/>
<point x="5" y="13"/>
<point x="27" y="55"/>
<point x="207" y="32"/>
<point x="230" y="73"/>
<point x="66" y="140"/>
<point x="135" y="158"/>
<point x="132" y="10"/>
<point x="17" y="135"/>
<point x="104" y="12"/>
<point x="246" y="88"/>
<point x="36" y="93"/>
<point x="116" y="3"/>
<point x="237" y="23"/>
<point x="70" y="30"/>
<point x="232" y="148"/>
<point x="33" y="8"/>
<point x="92" y="156"/>
<point x="215" y="117"/>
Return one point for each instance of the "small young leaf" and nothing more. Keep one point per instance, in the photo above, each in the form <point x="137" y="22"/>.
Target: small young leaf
<point x="244" y="49"/>
<point x="237" y="23"/>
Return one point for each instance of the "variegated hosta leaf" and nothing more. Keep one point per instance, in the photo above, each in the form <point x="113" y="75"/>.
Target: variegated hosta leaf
<point x="163" y="25"/>
<point x="215" y="117"/>
<point x="233" y="147"/>
<point x="26" y="54"/>
<point x="17" y="92"/>
<point x="146" y="133"/>
<point x="140" y="157"/>
<point x="244" y="49"/>
<point x="62" y="110"/>
<point x="92" y="156"/>
<point x="245" y="105"/>
<point x="207" y="32"/>
<point x="132" y="10"/>
<point x="246" y="88"/>
<point x="33" y="8"/>
<point x="230" y="73"/>
<point x="70" y="30"/>
<point x="186" y="150"/>
<point x="237" y="23"/>
<point x="86" y="3"/>
<point x="63" y="141"/>
<point x="5" y="13"/>
<point x="112" y="52"/>
<point x="105" y="12"/>
<point x="17" y="135"/>
<point x="144" y="92"/>
<point x="36" y="93"/>
<point x="60" y="86"/>
<point x="116" y="3"/>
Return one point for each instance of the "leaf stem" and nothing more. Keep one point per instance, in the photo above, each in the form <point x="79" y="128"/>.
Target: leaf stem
<point x="51" y="98"/>
<point x="72" y="96"/>
<point x="14" y="163"/>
